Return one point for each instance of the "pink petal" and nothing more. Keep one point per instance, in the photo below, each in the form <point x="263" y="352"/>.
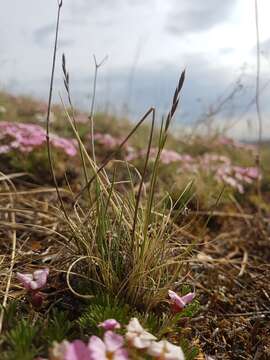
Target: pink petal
<point x="77" y="350"/>
<point x="40" y="277"/>
<point x="97" y="348"/>
<point x="188" y="298"/>
<point x="35" y="281"/>
<point x="253" y="172"/>
<point x="25" y="280"/>
<point x="113" y="341"/>
<point x="176" y="299"/>
<point x="110" y="324"/>
<point x="180" y="301"/>
<point x="121" y="354"/>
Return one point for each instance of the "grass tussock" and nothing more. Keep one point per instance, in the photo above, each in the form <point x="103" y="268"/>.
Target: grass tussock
<point x="124" y="235"/>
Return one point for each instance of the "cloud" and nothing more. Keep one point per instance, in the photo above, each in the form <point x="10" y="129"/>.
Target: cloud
<point x="44" y="33"/>
<point x="100" y="11"/>
<point x="194" y="16"/>
<point x="154" y="86"/>
<point x="84" y="8"/>
<point x="44" y="36"/>
<point x="265" y="47"/>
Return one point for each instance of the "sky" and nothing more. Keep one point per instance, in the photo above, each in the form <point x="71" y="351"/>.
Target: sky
<point x="147" y="44"/>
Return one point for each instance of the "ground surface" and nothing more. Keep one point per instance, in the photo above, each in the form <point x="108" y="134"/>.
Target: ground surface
<point x="234" y="287"/>
<point x="230" y="267"/>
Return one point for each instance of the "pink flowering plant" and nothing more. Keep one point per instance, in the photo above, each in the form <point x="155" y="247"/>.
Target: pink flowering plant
<point x="178" y="303"/>
<point x="29" y="137"/>
<point x="219" y="168"/>
<point x="33" y="283"/>
<point x="131" y="339"/>
<point x="135" y="343"/>
<point x="23" y="145"/>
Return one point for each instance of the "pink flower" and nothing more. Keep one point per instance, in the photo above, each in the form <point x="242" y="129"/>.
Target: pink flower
<point x="253" y="173"/>
<point x="179" y="302"/>
<point x="108" y="141"/>
<point x="222" y="140"/>
<point x="76" y="350"/>
<point x="29" y="137"/>
<point x="34" y="281"/>
<point x="109" y="349"/>
<point x="67" y="145"/>
<point x="110" y="324"/>
<point x="169" y="156"/>
<point x="82" y="118"/>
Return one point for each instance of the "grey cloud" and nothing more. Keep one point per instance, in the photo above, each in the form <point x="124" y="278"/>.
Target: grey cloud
<point x="154" y="87"/>
<point x="197" y="15"/>
<point x="85" y="8"/>
<point x="44" y="36"/>
<point x="102" y="10"/>
<point x="205" y="85"/>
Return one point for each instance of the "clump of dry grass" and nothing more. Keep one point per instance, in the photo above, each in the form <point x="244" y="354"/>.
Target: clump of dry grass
<point x="123" y="234"/>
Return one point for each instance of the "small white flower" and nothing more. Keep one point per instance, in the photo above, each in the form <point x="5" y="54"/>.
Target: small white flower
<point x="58" y="350"/>
<point x="165" y="350"/>
<point x="137" y="336"/>
<point x="186" y="211"/>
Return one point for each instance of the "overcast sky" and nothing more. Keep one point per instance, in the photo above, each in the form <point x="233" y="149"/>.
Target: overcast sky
<point x="148" y="44"/>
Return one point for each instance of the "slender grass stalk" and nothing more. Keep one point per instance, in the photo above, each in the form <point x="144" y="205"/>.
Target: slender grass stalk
<point x="142" y="179"/>
<point x="92" y="107"/>
<point x="258" y="77"/>
<point x="258" y="106"/>
<point x="162" y="140"/>
<point x="60" y="3"/>
<point x="67" y="87"/>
